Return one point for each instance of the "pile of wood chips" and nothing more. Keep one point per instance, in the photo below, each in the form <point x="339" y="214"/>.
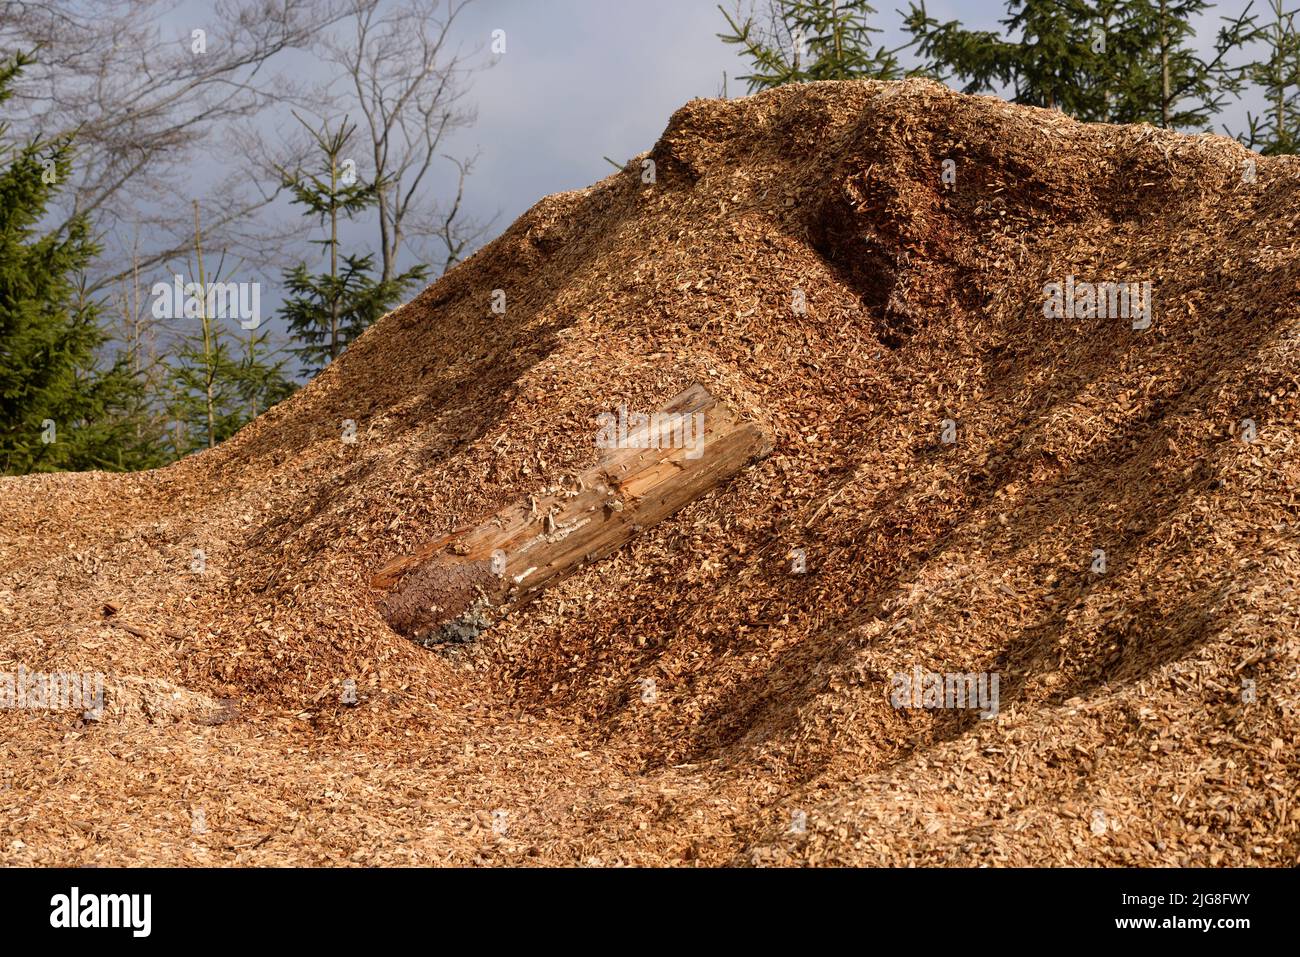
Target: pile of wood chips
<point x="958" y="484"/>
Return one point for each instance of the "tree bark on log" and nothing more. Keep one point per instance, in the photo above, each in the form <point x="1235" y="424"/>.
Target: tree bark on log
<point x="447" y="590"/>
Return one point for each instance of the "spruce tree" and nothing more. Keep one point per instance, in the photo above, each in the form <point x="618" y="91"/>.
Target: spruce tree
<point x="802" y="40"/>
<point x="62" y="404"/>
<point x="135" y="336"/>
<point x="1043" y="54"/>
<point x="213" y="389"/>
<point x="1153" y="72"/>
<point x="1276" y="130"/>
<point x="325" y="311"/>
<point x="1114" y="61"/>
<point x="263" y="379"/>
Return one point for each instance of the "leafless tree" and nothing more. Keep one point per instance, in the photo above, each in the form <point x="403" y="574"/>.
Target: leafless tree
<point x="153" y="110"/>
<point x="407" y="82"/>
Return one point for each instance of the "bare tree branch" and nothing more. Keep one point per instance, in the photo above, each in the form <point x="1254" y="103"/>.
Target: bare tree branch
<point x="408" y="86"/>
<point x="149" y="108"/>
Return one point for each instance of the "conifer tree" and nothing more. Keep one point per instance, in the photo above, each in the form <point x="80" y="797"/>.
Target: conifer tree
<point x="213" y="390"/>
<point x="1277" y="129"/>
<point x="801" y="40"/>
<point x="135" y="335"/>
<point x="1114" y="61"/>
<point x="263" y="378"/>
<point x="62" y="405"/>
<point x="325" y="311"/>
<point x="1154" y="74"/>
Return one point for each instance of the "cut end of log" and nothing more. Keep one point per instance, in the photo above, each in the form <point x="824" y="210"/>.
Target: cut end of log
<point x="433" y="599"/>
<point x="447" y="590"/>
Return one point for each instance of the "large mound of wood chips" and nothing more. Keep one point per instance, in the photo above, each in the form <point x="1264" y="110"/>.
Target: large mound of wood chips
<point x="694" y="699"/>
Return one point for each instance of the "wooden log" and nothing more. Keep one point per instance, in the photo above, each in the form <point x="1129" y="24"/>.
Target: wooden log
<point x="448" y="589"/>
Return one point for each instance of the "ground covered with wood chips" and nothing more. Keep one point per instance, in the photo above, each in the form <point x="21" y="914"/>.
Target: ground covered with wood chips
<point x="692" y="700"/>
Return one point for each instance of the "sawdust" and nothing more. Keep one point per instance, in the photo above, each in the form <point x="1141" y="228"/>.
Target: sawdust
<point x="693" y="699"/>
